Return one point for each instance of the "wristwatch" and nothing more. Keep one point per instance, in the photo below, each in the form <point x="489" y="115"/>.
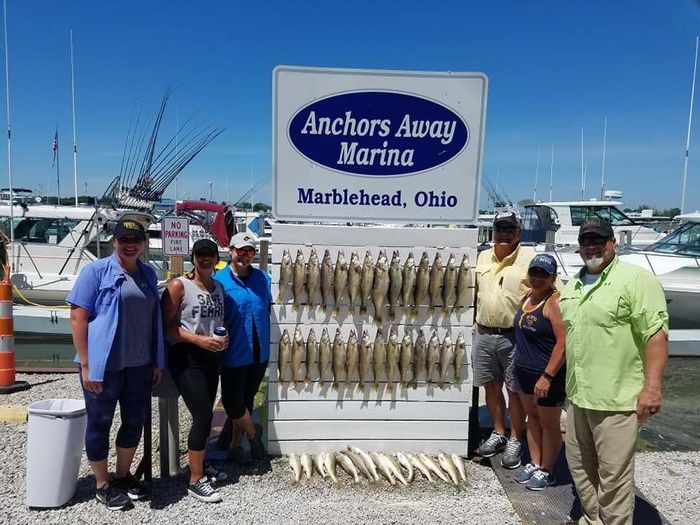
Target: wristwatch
<point x="547" y="375"/>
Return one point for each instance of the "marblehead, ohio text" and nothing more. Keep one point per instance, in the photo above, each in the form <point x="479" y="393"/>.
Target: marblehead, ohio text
<point x="346" y="197"/>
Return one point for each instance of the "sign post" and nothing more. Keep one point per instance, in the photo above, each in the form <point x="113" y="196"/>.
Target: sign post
<point x="176" y="242"/>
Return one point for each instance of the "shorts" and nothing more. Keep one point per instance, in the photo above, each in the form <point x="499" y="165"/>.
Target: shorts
<point x="492" y="354"/>
<point x="239" y="384"/>
<point x="525" y="380"/>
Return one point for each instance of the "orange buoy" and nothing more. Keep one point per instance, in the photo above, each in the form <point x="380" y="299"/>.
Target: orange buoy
<point x="8" y="384"/>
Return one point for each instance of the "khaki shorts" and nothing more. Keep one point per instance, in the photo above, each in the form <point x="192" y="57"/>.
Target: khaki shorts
<point x="492" y="355"/>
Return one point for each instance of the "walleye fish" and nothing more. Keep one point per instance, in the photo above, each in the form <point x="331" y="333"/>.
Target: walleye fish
<point x="354" y="280"/>
<point x="406" y="463"/>
<point x="329" y="465"/>
<point x="339" y="375"/>
<point x="381" y="286"/>
<point x="284" y="358"/>
<point x="367" y="460"/>
<point x="378" y="359"/>
<point x="366" y="281"/>
<point x="464" y="285"/>
<point x="360" y="464"/>
<point x="405" y="358"/>
<point x="408" y="288"/>
<point x="460" y="353"/>
<point x="393" y="349"/>
<point x="449" y="285"/>
<point x="307" y="464"/>
<point x="347" y="465"/>
<point x="449" y="467"/>
<point x="318" y="463"/>
<point x="340" y="280"/>
<point x="298" y="352"/>
<point x="395" y="468"/>
<point x="418" y="463"/>
<point x="420" y="358"/>
<point x="422" y="281"/>
<point x="298" y="279"/>
<point x="352" y="356"/>
<point x="395" y="283"/>
<point x="436" y="279"/>
<point x="365" y="351"/>
<point x="383" y="467"/>
<point x="325" y="358"/>
<point x="313" y="279"/>
<point x="459" y="464"/>
<point x="311" y="355"/>
<point x="295" y="463"/>
<point x="326" y="280"/>
<point x="433" y="467"/>
<point x="286" y="275"/>
<point x="447" y="358"/>
<point x="433" y="356"/>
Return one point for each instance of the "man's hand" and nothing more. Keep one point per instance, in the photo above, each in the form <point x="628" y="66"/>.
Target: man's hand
<point x="648" y="403"/>
<point x="91" y="386"/>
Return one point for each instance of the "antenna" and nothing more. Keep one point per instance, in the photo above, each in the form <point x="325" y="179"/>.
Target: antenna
<point x="537" y="175"/>
<point x="602" y="171"/>
<point x="551" y="174"/>
<point x="690" y="122"/>
<point x="583" y="174"/>
<point x="75" y="144"/>
<point x="9" y="139"/>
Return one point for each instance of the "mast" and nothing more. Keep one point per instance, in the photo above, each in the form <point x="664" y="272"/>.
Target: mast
<point x="583" y="175"/>
<point x="75" y="143"/>
<point x="602" y="171"/>
<point x="537" y="175"/>
<point x="690" y="122"/>
<point x="551" y="174"/>
<point x="9" y="138"/>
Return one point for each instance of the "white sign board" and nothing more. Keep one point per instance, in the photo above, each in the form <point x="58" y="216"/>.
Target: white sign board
<point x="377" y="146"/>
<point x="176" y="236"/>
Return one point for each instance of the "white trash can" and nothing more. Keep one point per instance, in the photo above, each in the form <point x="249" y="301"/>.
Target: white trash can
<point x="55" y="442"/>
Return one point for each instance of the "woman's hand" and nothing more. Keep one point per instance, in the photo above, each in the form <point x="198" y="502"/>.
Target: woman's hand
<point x="91" y="386"/>
<point x="213" y="344"/>
<point x="157" y="375"/>
<point x="542" y="387"/>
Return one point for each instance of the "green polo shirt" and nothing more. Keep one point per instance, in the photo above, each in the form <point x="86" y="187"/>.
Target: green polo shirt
<point x="607" y="329"/>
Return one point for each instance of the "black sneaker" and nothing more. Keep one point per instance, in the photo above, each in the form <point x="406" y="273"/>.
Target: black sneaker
<point x="214" y="475"/>
<point x="113" y="497"/>
<point x="203" y="490"/>
<point x="240" y="456"/>
<point x="135" y="490"/>
<point x="257" y="449"/>
<point x="492" y="446"/>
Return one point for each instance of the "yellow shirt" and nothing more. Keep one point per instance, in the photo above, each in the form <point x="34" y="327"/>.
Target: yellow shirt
<point x="502" y="285"/>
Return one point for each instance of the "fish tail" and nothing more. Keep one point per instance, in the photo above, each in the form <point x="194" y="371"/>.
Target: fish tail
<point x="375" y="386"/>
<point x="363" y="309"/>
<point x="336" y="310"/>
<point x="390" y="387"/>
<point x="392" y="312"/>
<point x="295" y="307"/>
<point x="335" y="385"/>
<point x="307" y="381"/>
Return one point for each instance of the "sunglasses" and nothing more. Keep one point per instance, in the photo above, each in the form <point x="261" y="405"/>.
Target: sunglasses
<point x="206" y="253"/>
<point x="592" y="240"/>
<point x="506" y="229"/>
<point x="245" y="251"/>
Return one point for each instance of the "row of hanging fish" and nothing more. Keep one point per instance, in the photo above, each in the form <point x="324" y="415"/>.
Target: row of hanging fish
<point x="341" y="361"/>
<point x="382" y="282"/>
<point x="401" y="467"/>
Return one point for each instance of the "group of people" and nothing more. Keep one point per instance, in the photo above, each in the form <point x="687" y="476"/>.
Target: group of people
<point x="601" y="341"/>
<point x="215" y="326"/>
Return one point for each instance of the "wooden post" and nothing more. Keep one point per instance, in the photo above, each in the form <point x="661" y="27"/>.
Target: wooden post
<point x="177" y="266"/>
<point x="264" y="254"/>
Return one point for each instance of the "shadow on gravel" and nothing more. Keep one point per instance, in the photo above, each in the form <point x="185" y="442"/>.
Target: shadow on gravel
<point x="45" y="382"/>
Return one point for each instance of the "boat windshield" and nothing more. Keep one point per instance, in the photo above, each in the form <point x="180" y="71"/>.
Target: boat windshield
<point x="39" y="230"/>
<point x="683" y="241"/>
<point x="580" y="214"/>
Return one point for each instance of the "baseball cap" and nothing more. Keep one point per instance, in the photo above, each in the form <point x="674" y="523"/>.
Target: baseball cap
<point x="506" y="216"/>
<point x="598" y="227"/>
<point x="545" y="262"/>
<point x="243" y="240"/>
<point x="129" y="228"/>
<point x="204" y="245"/>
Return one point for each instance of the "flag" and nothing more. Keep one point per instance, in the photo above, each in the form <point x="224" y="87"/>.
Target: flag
<point x="54" y="148"/>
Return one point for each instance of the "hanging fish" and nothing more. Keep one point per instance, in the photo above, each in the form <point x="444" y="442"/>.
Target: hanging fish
<point x="395" y="283"/>
<point x="381" y="286"/>
<point x="340" y="280"/>
<point x="286" y="275"/>
<point x="436" y="279"/>
<point x="299" y="277"/>
<point x="326" y="280"/>
<point x="449" y="285"/>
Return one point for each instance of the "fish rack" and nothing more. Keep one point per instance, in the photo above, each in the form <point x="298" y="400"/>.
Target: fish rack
<point x="313" y="418"/>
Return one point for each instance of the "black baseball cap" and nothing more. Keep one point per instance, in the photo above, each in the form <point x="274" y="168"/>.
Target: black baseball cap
<point x="506" y="217"/>
<point x="129" y="228"/>
<point x="597" y="227"/>
<point x="205" y="245"/>
<point x="546" y="262"/>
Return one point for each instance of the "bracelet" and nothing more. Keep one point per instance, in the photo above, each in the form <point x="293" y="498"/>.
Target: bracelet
<point x="547" y="375"/>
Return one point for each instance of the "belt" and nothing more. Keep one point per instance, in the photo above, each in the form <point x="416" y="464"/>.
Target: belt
<point x="496" y="330"/>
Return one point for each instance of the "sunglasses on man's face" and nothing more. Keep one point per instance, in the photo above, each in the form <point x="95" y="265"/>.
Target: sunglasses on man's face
<point x="506" y="229"/>
<point x="592" y="240"/>
<point x="245" y="251"/>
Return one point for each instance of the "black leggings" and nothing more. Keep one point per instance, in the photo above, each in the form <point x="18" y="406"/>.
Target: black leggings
<point x="196" y="374"/>
<point x="239" y="384"/>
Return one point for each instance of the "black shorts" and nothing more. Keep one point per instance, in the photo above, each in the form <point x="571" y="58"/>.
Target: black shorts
<point x="239" y="384"/>
<point x="525" y="384"/>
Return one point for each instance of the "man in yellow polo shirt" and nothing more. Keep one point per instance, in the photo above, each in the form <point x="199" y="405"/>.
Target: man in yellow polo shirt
<point x="501" y="280"/>
<point x="616" y="351"/>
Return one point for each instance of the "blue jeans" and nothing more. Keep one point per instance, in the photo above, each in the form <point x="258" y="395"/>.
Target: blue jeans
<point x="131" y="387"/>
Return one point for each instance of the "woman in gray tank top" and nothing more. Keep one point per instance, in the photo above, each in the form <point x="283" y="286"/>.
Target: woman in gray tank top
<point x="193" y="307"/>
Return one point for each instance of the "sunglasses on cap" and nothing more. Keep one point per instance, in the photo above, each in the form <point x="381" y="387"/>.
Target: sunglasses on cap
<point x="592" y="240"/>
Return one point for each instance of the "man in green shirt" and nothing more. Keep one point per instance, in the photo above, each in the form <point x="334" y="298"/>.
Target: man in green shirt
<point x="616" y="351"/>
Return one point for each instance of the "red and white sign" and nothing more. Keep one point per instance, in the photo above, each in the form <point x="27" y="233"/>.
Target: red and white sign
<point x="176" y="236"/>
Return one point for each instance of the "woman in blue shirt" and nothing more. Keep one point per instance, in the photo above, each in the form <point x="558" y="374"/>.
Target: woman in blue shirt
<point x="118" y="336"/>
<point x="247" y="309"/>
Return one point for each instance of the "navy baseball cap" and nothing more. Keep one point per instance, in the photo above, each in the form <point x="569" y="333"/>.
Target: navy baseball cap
<point x="508" y="217"/>
<point x="597" y="227"/>
<point x="546" y="262"/>
<point x="204" y="245"/>
<point x="129" y="228"/>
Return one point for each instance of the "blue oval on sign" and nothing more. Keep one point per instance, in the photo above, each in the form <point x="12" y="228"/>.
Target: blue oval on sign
<point x="378" y="133"/>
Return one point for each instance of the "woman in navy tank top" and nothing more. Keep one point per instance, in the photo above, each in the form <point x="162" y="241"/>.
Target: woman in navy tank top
<point x="539" y="371"/>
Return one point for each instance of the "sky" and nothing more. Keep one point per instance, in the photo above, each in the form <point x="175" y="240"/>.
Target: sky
<point x="553" y="67"/>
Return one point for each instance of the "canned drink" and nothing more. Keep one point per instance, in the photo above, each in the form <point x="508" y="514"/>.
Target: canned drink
<point x="220" y="332"/>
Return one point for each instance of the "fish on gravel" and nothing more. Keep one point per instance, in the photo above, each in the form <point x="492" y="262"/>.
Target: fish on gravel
<point x="325" y="358"/>
<point x="340" y="280"/>
<point x="422" y="282"/>
<point x="393" y="349"/>
<point x="366" y="281"/>
<point x="329" y="466"/>
<point x="395" y="468"/>
<point x="352" y="356"/>
<point x="311" y="355"/>
<point x="464" y="285"/>
<point x="313" y="279"/>
<point x="367" y="460"/>
<point x="421" y="466"/>
<point x="447" y="358"/>
<point x="354" y="280"/>
<point x="449" y="285"/>
<point x="347" y="465"/>
<point x="365" y="351"/>
<point x="307" y="464"/>
<point x="284" y="358"/>
<point x="433" y="356"/>
<point x="298" y="279"/>
<point x="326" y="280"/>
<point x="339" y="373"/>
<point x="380" y="287"/>
<point x="360" y="464"/>
<point x="460" y="353"/>
<point x="420" y="358"/>
<point x="437" y="276"/>
<point x="408" y="286"/>
<point x="449" y="467"/>
<point x="378" y="359"/>
<point x="433" y="467"/>
<point x="318" y="463"/>
<point x="295" y="463"/>
<point x="406" y="463"/>
<point x="395" y="283"/>
<point x="286" y="275"/>
<point x="459" y="464"/>
<point x="405" y="358"/>
<point x="383" y="467"/>
<point x="298" y="351"/>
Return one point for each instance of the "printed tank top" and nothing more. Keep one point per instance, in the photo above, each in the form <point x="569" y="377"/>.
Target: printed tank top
<point x="201" y="311"/>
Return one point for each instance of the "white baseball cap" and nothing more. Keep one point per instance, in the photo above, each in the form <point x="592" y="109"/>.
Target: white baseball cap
<point x="243" y="240"/>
